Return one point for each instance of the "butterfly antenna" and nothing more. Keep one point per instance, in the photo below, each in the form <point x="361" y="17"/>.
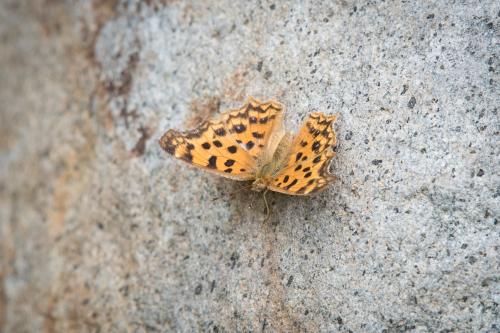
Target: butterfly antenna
<point x="268" y="211"/>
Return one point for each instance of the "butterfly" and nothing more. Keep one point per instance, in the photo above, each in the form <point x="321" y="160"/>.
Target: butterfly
<point x="250" y="144"/>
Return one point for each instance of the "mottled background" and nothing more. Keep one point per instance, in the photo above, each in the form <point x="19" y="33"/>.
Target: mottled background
<point x="102" y="232"/>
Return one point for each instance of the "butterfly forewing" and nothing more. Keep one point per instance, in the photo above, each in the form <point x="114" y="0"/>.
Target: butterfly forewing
<point x="228" y="146"/>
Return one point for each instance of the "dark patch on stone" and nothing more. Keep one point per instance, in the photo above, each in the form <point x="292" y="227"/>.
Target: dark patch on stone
<point x="376" y="162"/>
<point x="267" y="75"/>
<point x="259" y="65"/>
<point x="234" y="259"/>
<point x="405" y="89"/>
<point x="212" y="286"/>
<point x="412" y="102"/>
<point x="290" y="280"/>
<point x="140" y="146"/>
<point x="198" y="289"/>
<point x="348" y="136"/>
<point x="480" y="173"/>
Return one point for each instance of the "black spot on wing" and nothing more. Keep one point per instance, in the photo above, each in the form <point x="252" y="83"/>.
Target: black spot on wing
<point x="257" y="135"/>
<point x="249" y="145"/>
<point x="168" y="147"/>
<point x="206" y="145"/>
<point x="232" y="149"/>
<point x="291" y="184"/>
<point x="229" y="163"/>
<point x="240" y="128"/>
<point x="212" y="162"/>
<point x="298" y="156"/>
<point x="220" y="131"/>
<point x="217" y="143"/>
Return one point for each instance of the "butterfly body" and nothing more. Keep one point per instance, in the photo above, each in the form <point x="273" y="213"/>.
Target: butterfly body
<point x="250" y="144"/>
<point x="267" y="170"/>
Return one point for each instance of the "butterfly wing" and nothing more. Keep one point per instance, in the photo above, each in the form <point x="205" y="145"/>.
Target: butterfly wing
<point x="228" y="146"/>
<point x="253" y="124"/>
<point x="307" y="169"/>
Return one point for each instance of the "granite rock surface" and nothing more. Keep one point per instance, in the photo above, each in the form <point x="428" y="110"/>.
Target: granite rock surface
<point x="101" y="231"/>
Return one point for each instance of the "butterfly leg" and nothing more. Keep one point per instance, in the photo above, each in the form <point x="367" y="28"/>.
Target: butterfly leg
<point x="268" y="211"/>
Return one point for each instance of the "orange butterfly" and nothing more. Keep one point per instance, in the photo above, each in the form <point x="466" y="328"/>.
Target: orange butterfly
<point x="250" y="144"/>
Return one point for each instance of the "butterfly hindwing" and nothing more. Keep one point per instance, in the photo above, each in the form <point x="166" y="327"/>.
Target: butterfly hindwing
<point x="253" y="124"/>
<point x="307" y="169"/>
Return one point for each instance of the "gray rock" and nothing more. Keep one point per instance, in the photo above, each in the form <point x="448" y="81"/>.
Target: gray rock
<point x="101" y="231"/>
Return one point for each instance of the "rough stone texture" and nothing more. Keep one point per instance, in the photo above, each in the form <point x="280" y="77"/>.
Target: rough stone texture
<point x="102" y="232"/>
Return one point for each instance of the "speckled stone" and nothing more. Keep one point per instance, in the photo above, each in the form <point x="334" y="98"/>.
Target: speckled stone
<point x="101" y="231"/>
